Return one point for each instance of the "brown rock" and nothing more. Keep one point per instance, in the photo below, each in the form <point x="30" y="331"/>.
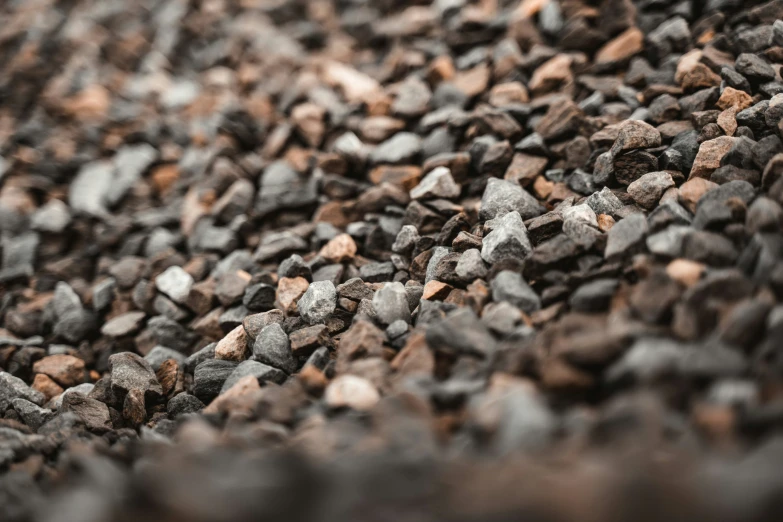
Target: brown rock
<point x="605" y="222"/>
<point x="289" y="291"/>
<point x="133" y="410"/>
<point x="692" y="190"/>
<point x="635" y="134"/>
<point x="233" y="347"/>
<point x="66" y="370"/>
<point x="525" y="168"/>
<point x="168" y="375"/>
<point x="306" y="340"/>
<point x="685" y="271"/>
<point x="623" y="47"/>
<point x="355" y="86"/>
<point x="560" y="121"/>
<point x="510" y="93"/>
<point x="201" y="296"/>
<point x="93" y="413"/>
<point x="44" y="384"/>
<point x="436" y="291"/>
<point x="362" y="340"/>
<point x="710" y="154"/>
<point x="339" y="250"/>
<point x="415" y="358"/>
<point x="379" y="128"/>
<point x="727" y="120"/>
<point x="552" y="74"/>
<point x="240" y="398"/>
<point x="700" y="77"/>
<point x="473" y="81"/>
<point x="308" y="119"/>
<point x="732" y="97"/>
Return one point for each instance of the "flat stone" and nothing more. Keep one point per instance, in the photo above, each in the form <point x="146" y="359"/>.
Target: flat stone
<point x="93" y="413"/>
<point x="125" y="324"/>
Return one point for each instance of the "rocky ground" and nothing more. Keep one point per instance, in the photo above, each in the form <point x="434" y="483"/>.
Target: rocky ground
<point x="350" y="260"/>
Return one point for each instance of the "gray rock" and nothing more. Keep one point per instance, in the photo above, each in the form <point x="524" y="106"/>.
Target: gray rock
<point x="130" y="162"/>
<point x="15" y="388"/>
<point x="509" y="286"/>
<point x="318" y="302"/>
<point x="32" y="414"/>
<point x="167" y="332"/>
<point x="438" y="183"/>
<point x="406" y="240"/>
<point x="159" y="354"/>
<point x="377" y="272"/>
<point x="183" y="404"/>
<point x="594" y="296"/>
<point x="130" y="371"/>
<point x="648" y="359"/>
<point x="259" y="297"/>
<point x="103" y="294"/>
<point x="626" y="236"/>
<point x="501" y="197"/>
<point x="19" y="254"/>
<point x="75" y="325"/>
<point x="461" y="332"/>
<point x="580" y="224"/>
<point x="470" y="266"/>
<point x="669" y="242"/>
<point x="89" y="190"/>
<point x="391" y="303"/>
<point x="294" y="266"/>
<point x="278" y="244"/>
<point x="272" y="347"/>
<point x="604" y="202"/>
<point x="175" y="283"/>
<point x="260" y="371"/>
<point x="508" y="240"/>
<point x="438" y="253"/>
<point x="402" y="148"/>
<point x="193" y="360"/>
<point x="53" y="217"/>
<point x="253" y="324"/>
<point x="209" y="376"/>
